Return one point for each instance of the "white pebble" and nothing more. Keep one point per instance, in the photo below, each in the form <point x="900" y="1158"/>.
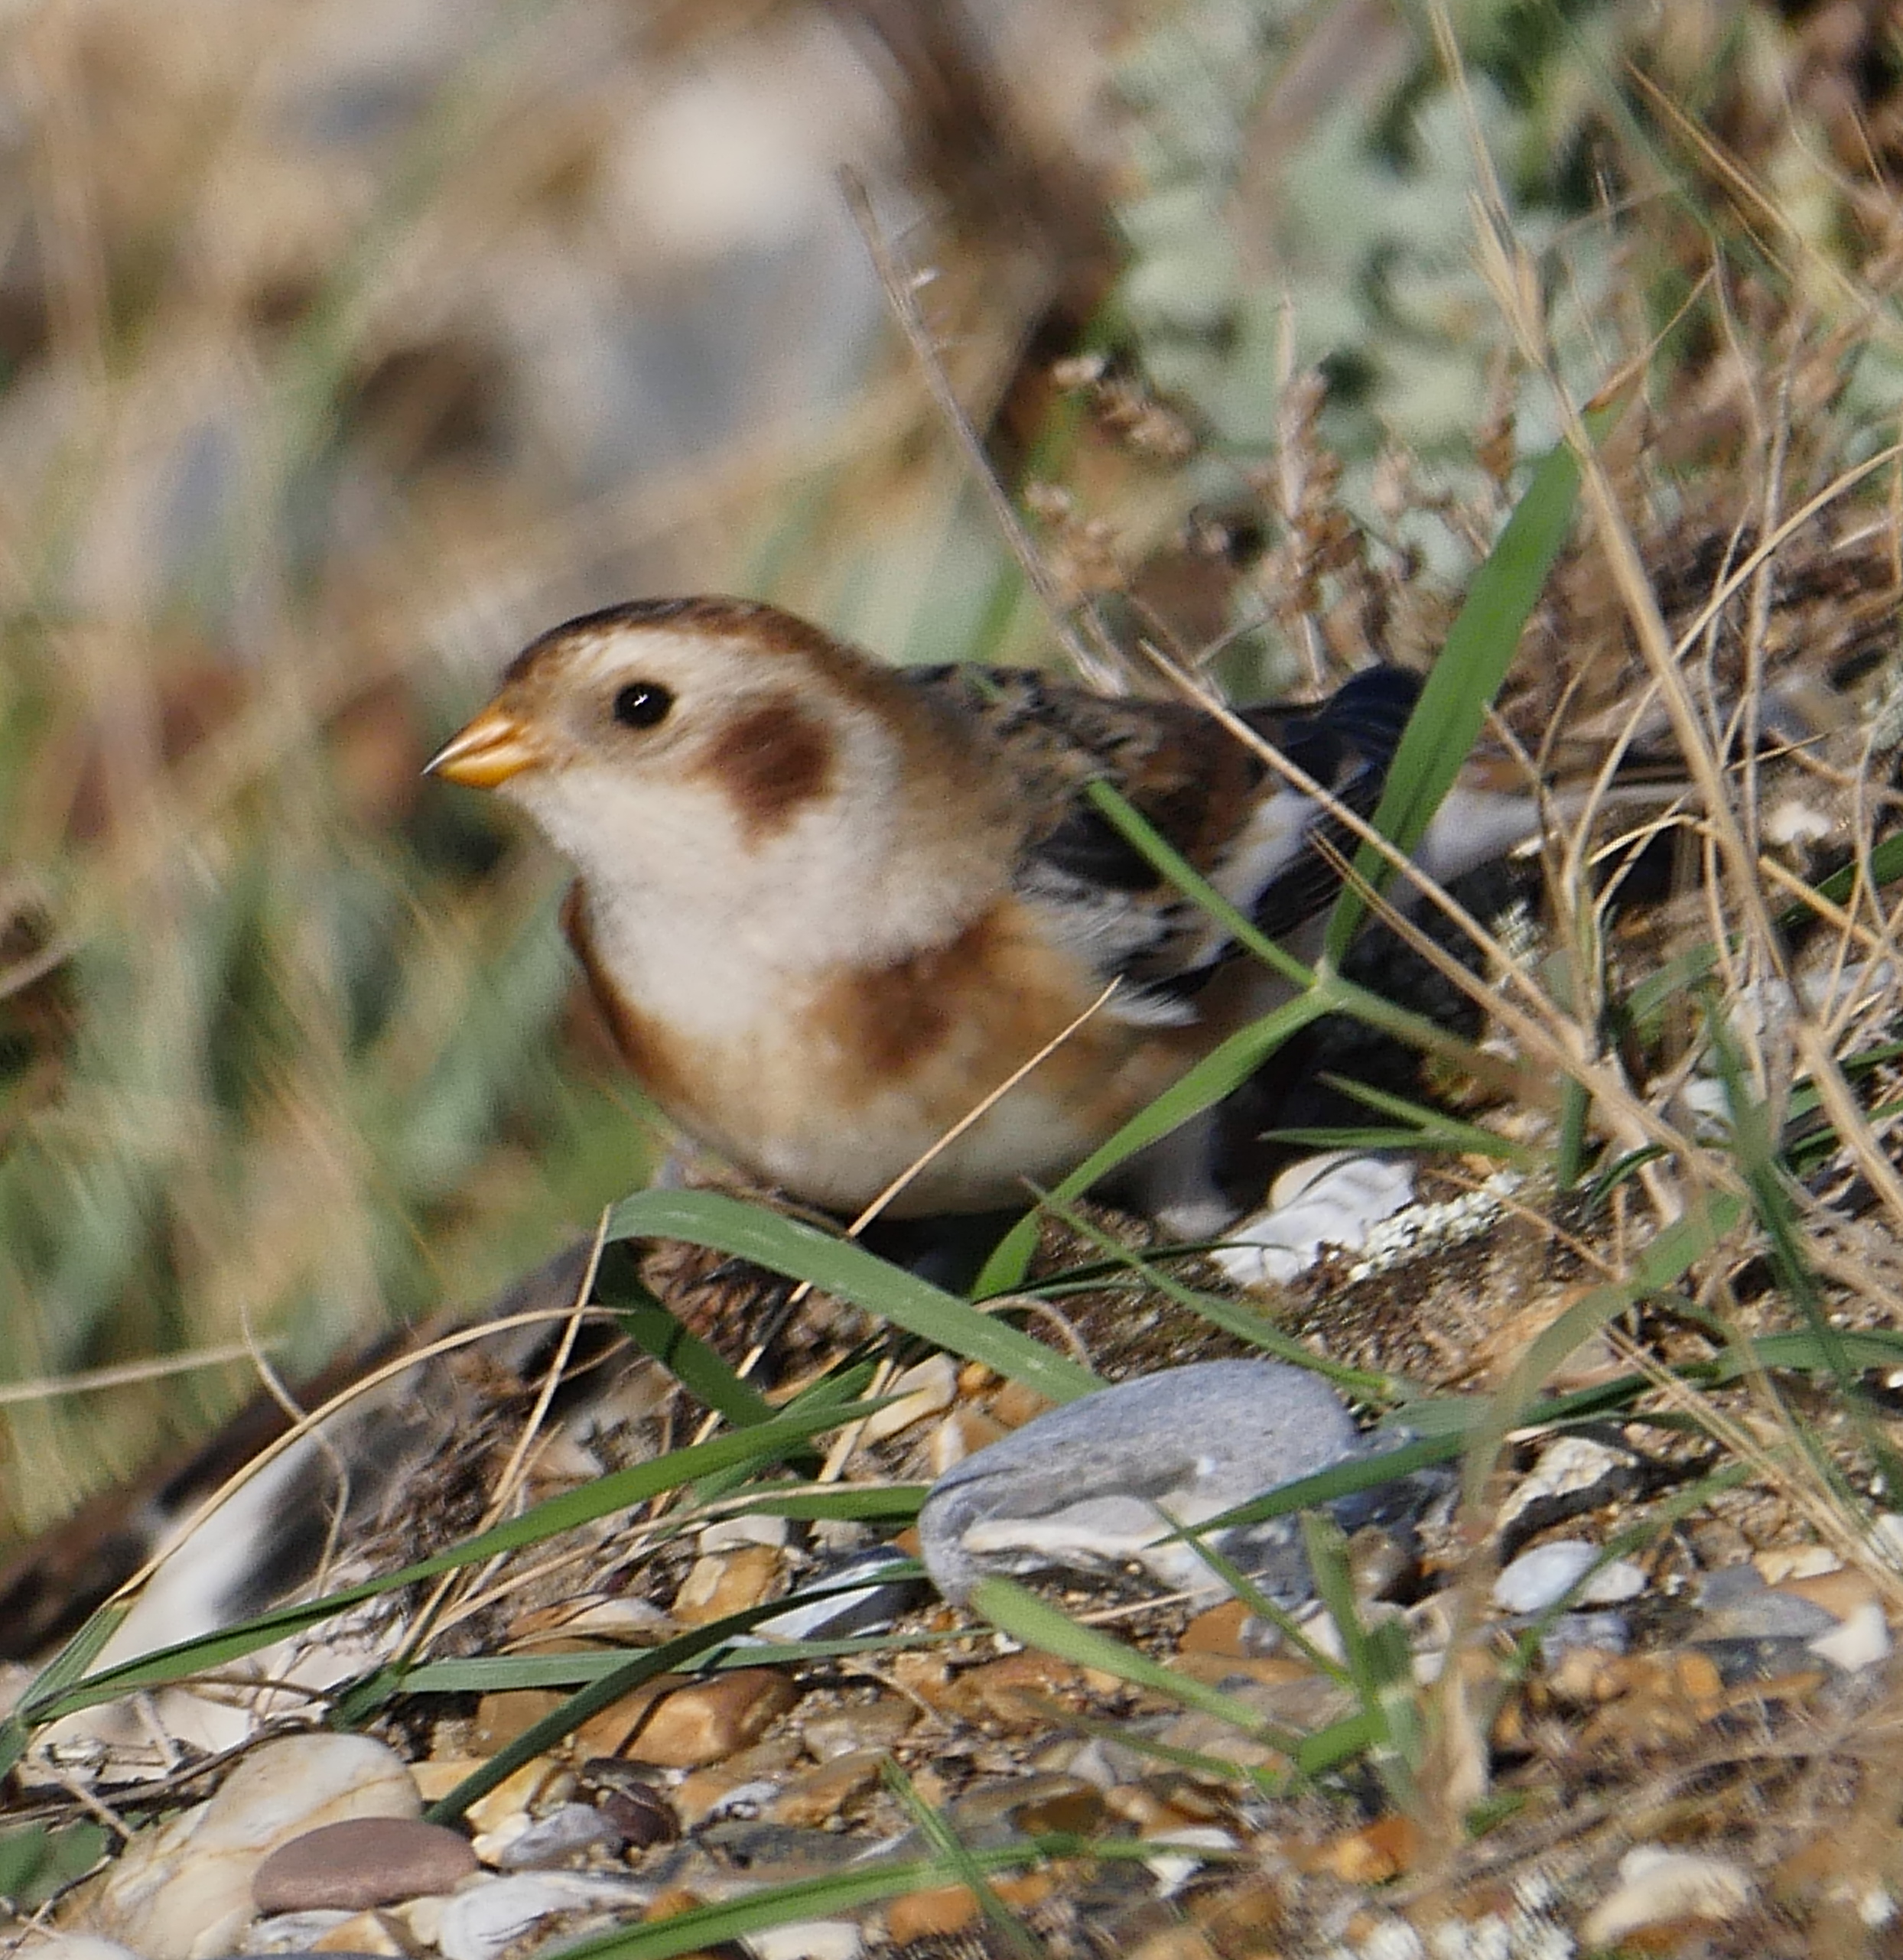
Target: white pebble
<point x="1656" y="1885"/>
<point x="1862" y="1640"/>
<point x="807" y="1939"/>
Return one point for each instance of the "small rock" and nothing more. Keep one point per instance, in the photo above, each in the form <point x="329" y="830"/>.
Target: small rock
<point x="727" y="1582"/>
<point x="1729" y="1585"/>
<point x="611" y="1617"/>
<point x="1776" y="1563"/>
<point x="1222" y="1630"/>
<point x="822" y="1794"/>
<point x="925" y="1390"/>
<point x="362" y="1862"/>
<point x="679" y="1724"/>
<point x="507" y="1715"/>
<point x="1656" y="1886"/>
<point x="566" y="1835"/>
<point x="291" y="1933"/>
<point x="625" y="1795"/>
<point x="1743" y="1662"/>
<point x="365" y="1933"/>
<point x="1862" y="1640"/>
<point x="78" y="1946"/>
<point x="808" y="1939"/>
<point x="1100" y="1482"/>
<point x="963" y="1433"/>
<point x="184" y="1886"/>
<point x="945" y="1910"/>
<point x="1014" y="1405"/>
<point x="1541" y="1577"/>
<point x="541" y="1779"/>
<point x="848" y="1607"/>
<point x="1006" y="1693"/>
<point x="773" y="1854"/>
<point x="1333" y="1199"/>
<point x="1840" y="1593"/>
<point x="1603" y="1633"/>
<point x="1185" y="1850"/>
<point x="484" y="1920"/>
<point x="746" y="1799"/>
<point x="437" y="1776"/>
<point x="881" y="1724"/>
<point x="744" y="1528"/>
<point x="1572" y="1474"/>
<point x="1106" y="1764"/>
<point x="1764" y="1614"/>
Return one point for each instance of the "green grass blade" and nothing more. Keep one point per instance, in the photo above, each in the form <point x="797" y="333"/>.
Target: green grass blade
<point x="1467" y="675"/>
<point x="1223" y="1069"/>
<point x="694" y="1365"/>
<point x="851" y="1273"/>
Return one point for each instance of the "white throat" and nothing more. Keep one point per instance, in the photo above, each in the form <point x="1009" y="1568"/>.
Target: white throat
<point x="711" y="929"/>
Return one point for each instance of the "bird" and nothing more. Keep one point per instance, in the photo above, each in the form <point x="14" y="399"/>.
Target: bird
<point x="829" y="905"/>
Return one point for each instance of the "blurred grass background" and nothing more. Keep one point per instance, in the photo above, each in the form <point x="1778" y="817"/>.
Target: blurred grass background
<point x="344" y="347"/>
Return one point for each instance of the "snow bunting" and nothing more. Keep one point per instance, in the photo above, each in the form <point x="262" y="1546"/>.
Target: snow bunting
<point x="828" y="906"/>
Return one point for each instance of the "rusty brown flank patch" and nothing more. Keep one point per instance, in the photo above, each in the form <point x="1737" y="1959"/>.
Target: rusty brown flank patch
<point x="771" y="761"/>
<point x="891" y="1021"/>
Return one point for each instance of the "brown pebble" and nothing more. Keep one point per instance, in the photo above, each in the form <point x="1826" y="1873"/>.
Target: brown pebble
<point x="681" y="1725"/>
<point x="437" y="1777"/>
<point x="944" y="1909"/>
<point x="820" y="1794"/>
<point x="1247" y="1922"/>
<point x="1181" y="1942"/>
<point x="879" y="1725"/>
<point x="643" y="1817"/>
<point x="369" y="1932"/>
<point x="362" y="1862"/>
<point x="934" y="1914"/>
<point x="1840" y="1593"/>
<point x="727" y="1582"/>
<point x="1373" y="1854"/>
<point x="1213" y="1669"/>
<point x="704" y="1790"/>
<point x="1014" y="1405"/>
<point x="695" y="1724"/>
<point x="1007" y="1692"/>
<point x="1218" y="1631"/>
<point x="503" y="1718"/>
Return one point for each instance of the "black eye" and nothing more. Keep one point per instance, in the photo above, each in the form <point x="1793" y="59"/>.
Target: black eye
<point x="642" y="704"/>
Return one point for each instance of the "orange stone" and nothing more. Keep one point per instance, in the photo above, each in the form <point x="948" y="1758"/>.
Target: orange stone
<point x="1372" y="1855"/>
<point x="1218" y="1631"/>
<point x="1002" y="1691"/>
<point x="679" y="1724"/>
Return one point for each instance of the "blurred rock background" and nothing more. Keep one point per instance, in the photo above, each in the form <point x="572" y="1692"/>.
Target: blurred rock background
<point x="343" y="347"/>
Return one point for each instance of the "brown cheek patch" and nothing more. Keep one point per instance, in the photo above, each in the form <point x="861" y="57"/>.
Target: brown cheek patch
<point x="771" y="761"/>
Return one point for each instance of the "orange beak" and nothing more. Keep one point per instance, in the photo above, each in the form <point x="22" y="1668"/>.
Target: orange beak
<point x="488" y="751"/>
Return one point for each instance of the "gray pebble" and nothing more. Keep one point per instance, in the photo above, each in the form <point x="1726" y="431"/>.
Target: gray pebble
<point x="1766" y="1615"/>
<point x="1740" y="1661"/>
<point x="1094" y="1485"/>
<point x="1609" y="1633"/>
<point x="568" y="1832"/>
<point x="863" y="1609"/>
<point x="482" y="1921"/>
<point x="1729" y="1584"/>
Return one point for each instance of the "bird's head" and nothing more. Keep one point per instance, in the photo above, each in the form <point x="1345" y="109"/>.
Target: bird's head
<point x="697" y="745"/>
